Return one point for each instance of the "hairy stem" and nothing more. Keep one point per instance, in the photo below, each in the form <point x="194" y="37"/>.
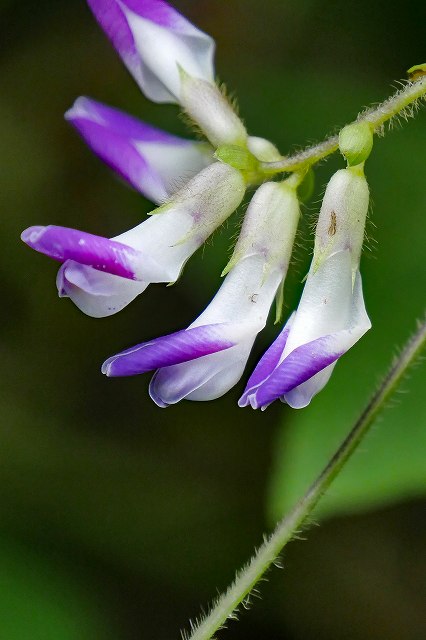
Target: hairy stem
<point x="402" y="100"/>
<point x="227" y="604"/>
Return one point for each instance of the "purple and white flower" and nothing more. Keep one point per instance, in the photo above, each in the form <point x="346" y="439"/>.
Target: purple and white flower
<point x="331" y="315"/>
<point x="155" y="42"/>
<point x="204" y="361"/>
<point x="172" y="61"/>
<point x="102" y="276"/>
<point x="153" y="161"/>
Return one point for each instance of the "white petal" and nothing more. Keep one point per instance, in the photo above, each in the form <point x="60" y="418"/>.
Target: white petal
<point x="163" y="50"/>
<point x="166" y="239"/>
<point x="171" y="236"/>
<point x="243" y="301"/>
<point x="175" y="164"/>
<point x="95" y="293"/>
<point x="160" y="238"/>
<point x="206" y="378"/>
<point x="301" y="396"/>
<point x="339" y="342"/>
<point x="269" y="226"/>
<point x="326" y="301"/>
<point x="225" y="378"/>
<point x="244" y="297"/>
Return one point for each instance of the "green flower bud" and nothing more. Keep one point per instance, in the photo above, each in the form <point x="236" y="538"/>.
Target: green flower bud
<point x="356" y="142"/>
<point x="416" y="72"/>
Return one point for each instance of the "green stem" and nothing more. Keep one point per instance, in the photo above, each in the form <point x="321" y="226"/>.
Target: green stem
<point x="402" y="100"/>
<point x="227" y="604"/>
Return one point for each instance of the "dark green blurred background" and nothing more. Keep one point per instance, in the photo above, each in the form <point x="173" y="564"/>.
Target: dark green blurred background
<point x="118" y="519"/>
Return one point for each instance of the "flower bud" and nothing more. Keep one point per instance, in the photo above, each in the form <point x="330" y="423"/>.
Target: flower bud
<point x="356" y="142"/>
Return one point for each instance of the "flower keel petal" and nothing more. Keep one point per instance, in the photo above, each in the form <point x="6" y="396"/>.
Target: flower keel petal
<point x="175" y="348"/>
<point x="62" y="243"/>
<point x="152" y="161"/>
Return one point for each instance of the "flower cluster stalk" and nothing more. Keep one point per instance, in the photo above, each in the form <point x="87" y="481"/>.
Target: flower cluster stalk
<point x="228" y="603"/>
<point x="376" y="116"/>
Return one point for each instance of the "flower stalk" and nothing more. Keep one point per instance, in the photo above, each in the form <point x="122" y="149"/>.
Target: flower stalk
<point x="227" y="605"/>
<point x="397" y="104"/>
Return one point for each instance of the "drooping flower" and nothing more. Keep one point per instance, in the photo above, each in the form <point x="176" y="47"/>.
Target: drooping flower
<point x="154" y="42"/>
<point x="102" y="276"/>
<point x="331" y="315"/>
<point x="153" y="161"/>
<point x="172" y="61"/>
<point x="204" y="361"/>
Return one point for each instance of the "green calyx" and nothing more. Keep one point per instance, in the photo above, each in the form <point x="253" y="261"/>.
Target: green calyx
<point x="240" y="158"/>
<point x="356" y="142"/>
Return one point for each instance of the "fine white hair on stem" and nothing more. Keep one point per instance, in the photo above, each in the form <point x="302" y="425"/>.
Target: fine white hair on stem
<point x="403" y="103"/>
<point x="227" y="606"/>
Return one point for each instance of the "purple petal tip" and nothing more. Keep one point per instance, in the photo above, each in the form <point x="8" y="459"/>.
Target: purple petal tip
<point x="62" y="243"/>
<point x="175" y="348"/>
<point x="32" y="235"/>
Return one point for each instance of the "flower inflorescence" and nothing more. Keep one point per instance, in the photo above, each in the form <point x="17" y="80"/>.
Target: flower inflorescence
<point x="173" y="62"/>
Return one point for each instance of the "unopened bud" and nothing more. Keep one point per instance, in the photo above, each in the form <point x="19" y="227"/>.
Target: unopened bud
<point x="356" y="142"/>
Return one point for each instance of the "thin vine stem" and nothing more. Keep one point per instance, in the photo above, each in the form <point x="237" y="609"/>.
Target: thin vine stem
<point x="227" y="605"/>
<point x="397" y="104"/>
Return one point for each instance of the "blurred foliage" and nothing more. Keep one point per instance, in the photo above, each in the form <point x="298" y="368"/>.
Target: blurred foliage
<point x="37" y="602"/>
<point x="134" y="516"/>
